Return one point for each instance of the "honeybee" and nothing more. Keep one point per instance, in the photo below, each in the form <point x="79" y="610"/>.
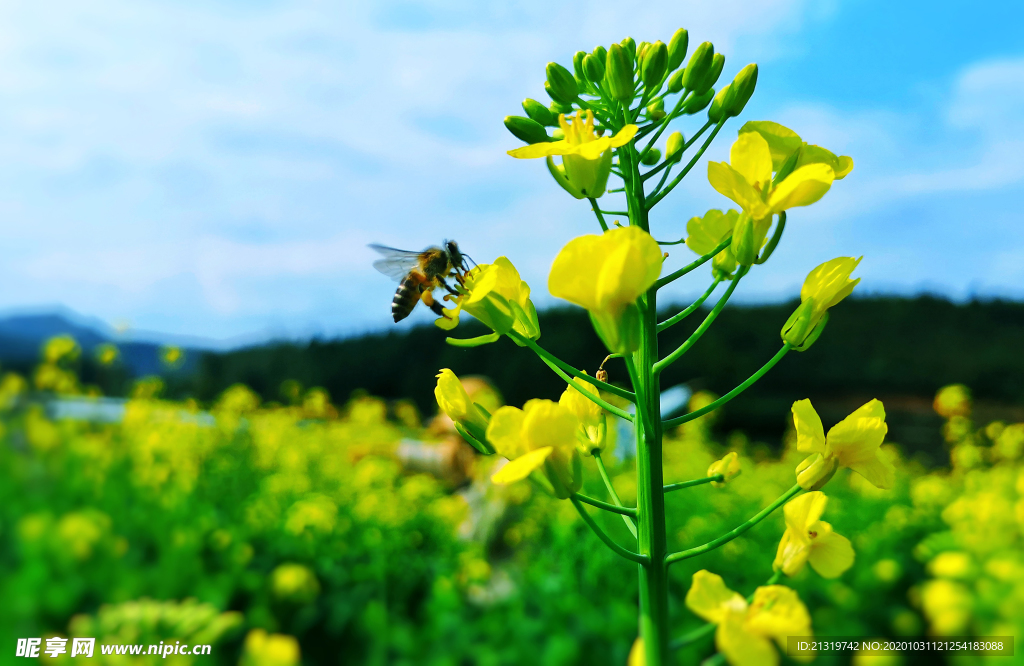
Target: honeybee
<point x="419" y="274"/>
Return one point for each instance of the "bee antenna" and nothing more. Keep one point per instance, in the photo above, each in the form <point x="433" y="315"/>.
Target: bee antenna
<point x="466" y="256"/>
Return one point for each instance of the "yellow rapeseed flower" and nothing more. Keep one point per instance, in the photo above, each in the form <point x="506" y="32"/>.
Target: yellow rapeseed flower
<point x="540" y="435"/>
<point x="808" y="539"/>
<point x="854" y="442"/>
<point x="747" y="180"/>
<point x="953" y="400"/>
<point x="825" y="286"/>
<point x="746" y="631"/>
<point x="703" y="234"/>
<point x="592" y="433"/>
<point x="499" y="298"/>
<point x="786" y="145"/>
<point x="728" y="467"/>
<point x="606" y="274"/>
<point x="454" y="401"/>
<point x="586" y="155"/>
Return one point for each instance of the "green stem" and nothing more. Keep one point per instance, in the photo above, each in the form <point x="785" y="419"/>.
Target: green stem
<point x="696" y="482"/>
<point x="609" y="407"/>
<point x="628" y="554"/>
<point x="631" y="521"/>
<point x="664" y="125"/>
<point x="729" y="536"/>
<point x="671" y="423"/>
<point x="614" y="212"/>
<point x="675" y="319"/>
<point x="705" y="325"/>
<point x="663" y="193"/>
<point x="693" y="636"/>
<point x="678" y="242"/>
<point x="598" y="212"/>
<point x="622" y="510"/>
<point x="548" y="356"/>
<point x="697" y="263"/>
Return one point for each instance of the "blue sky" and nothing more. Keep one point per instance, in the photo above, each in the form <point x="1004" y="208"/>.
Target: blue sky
<point x="217" y="168"/>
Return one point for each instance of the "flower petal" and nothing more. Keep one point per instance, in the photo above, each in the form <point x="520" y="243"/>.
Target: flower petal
<point x="792" y="554"/>
<point x="709" y="598"/>
<point x="751" y="157"/>
<point x="624" y="136"/>
<point x="535" y="150"/>
<point x="801" y="188"/>
<point x="573" y="275"/>
<point x="777" y="612"/>
<point x="830" y="282"/>
<point x="732" y="184"/>
<point x="782" y="141"/>
<point x="548" y="425"/>
<point x="521" y="467"/>
<point x="742" y="647"/>
<point x="633" y="264"/>
<point x="810" y="434"/>
<point x="504" y="432"/>
<point x="831" y="553"/>
<point x="804" y="511"/>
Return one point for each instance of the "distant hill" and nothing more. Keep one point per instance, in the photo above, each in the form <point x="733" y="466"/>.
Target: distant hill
<point x="22" y="336"/>
<point x="897" y="349"/>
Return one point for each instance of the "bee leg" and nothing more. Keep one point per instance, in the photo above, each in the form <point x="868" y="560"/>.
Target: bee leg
<point x="448" y="287"/>
<point x="435" y="307"/>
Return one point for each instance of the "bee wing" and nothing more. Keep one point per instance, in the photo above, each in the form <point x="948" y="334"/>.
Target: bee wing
<point x="396" y="263"/>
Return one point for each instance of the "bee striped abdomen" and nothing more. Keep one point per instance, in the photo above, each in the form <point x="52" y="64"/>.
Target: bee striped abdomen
<point x="406" y="297"/>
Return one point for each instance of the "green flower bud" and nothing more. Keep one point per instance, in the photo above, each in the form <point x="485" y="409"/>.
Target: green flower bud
<point x="815" y="471"/>
<point x="697" y="68"/>
<point x="740" y="90"/>
<point x="698" y="103"/>
<point x="802" y="329"/>
<point x="560" y="84"/>
<point x="641" y="48"/>
<point x="577" y="67"/>
<point x="601" y="53"/>
<point x="540" y="113"/>
<point x="619" y="74"/>
<point x="526" y="129"/>
<point x="656" y="110"/>
<point x="652" y="157"/>
<point x="748" y="237"/>
<point x="629" y="46"/>
<point x="593" y="67"/>
<point x="711" y="77"/>
<point x="675" y="82"/>
<point x="654" y="64"/>
<point x="674" y="146"/>
<point x="677" y="48"/>
<point x="557" y="108"/>
<point x="715" y="112"/>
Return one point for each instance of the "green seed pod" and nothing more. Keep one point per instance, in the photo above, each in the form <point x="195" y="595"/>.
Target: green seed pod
<point x="561" y="85"/>
<point x="652" y="157"/>
<point x="540" y="113"/>
<point x="654" y="64"/>
<point x="740" y="90"/>
<point x="697" y="68"/>
<point x="577" y="67"/>
<point x="593" y="67"/>
<point x="601" y="53"/>
<point x="715" y="112"/>
<point x="630" y="46"/>
<point x="618" y="74"/>
<point x="698" y="103"/>
<point x="677" y="48"/>
<point x="674" y="146"/>
<point x="525" y="129"/>
<point x="675" y="82"/>
<point x="711" y="77"/>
